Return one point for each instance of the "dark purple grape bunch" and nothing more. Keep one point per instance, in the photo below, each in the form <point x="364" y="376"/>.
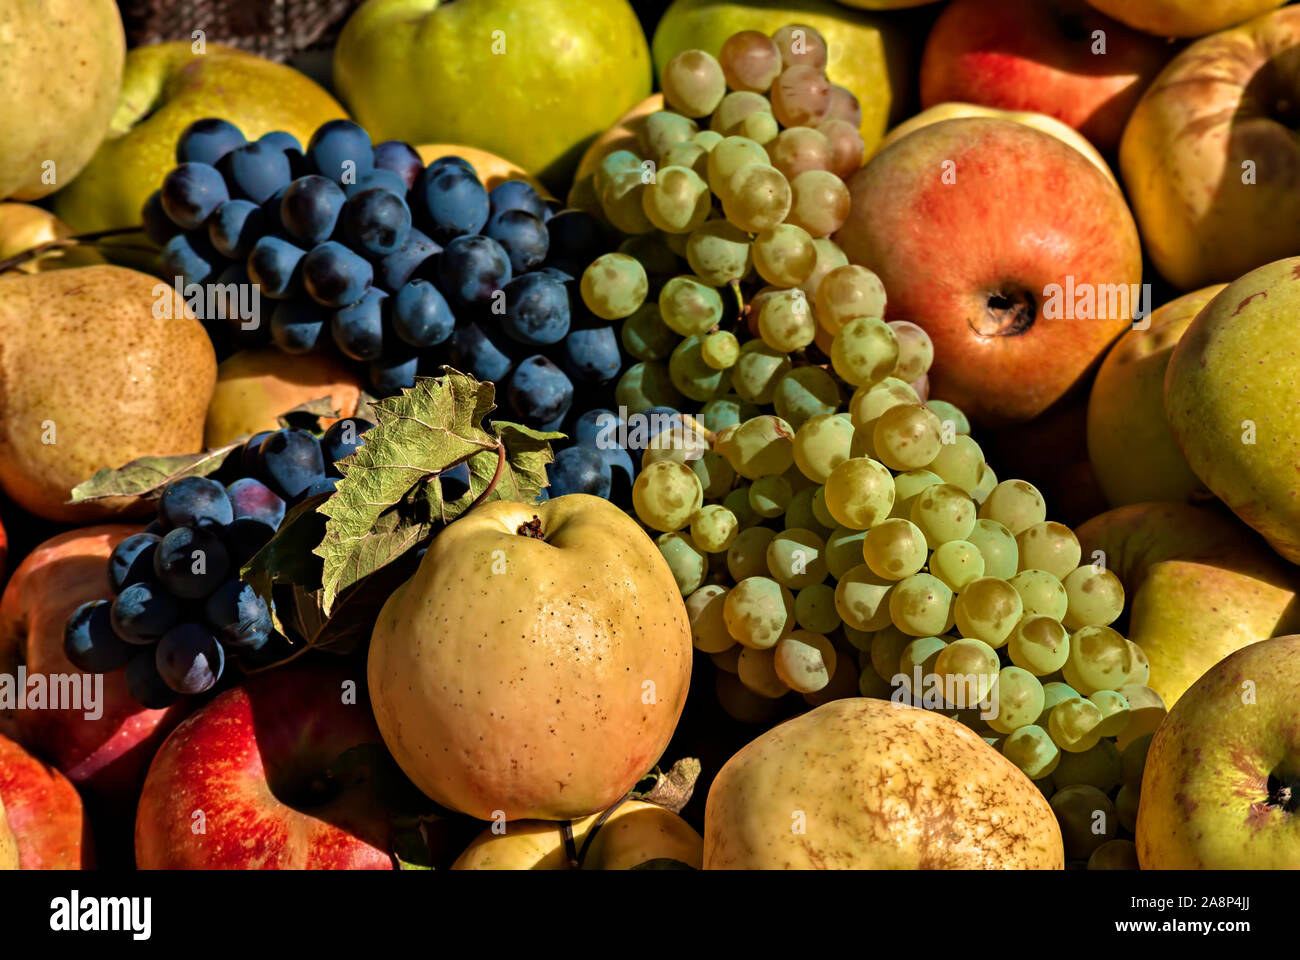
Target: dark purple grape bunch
<point x="180" y="609"/>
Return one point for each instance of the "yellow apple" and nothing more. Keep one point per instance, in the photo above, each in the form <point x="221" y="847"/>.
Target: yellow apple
<point x="1133" y="451"/>
<point x="492" y="170"/>
<point x="23" y="226"/>
<point x="1183" y="18"/>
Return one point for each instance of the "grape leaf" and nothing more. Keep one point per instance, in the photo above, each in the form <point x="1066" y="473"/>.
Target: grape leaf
<point x="287" y="558"/>
<point x="673" y="789"/>
<point x="309" y="414"/>
<point x="147" y="476"/>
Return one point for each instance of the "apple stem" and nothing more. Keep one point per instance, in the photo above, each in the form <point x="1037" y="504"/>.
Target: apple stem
<point x="78" y="240"/>
<point x="496" y="477"/>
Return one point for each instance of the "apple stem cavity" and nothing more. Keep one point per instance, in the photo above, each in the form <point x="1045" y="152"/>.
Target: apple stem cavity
<point x="1282" y="793"/>
<point x="533" y="528"/>
<point x="1008" y="314"/>
<point x="63" y="243"/>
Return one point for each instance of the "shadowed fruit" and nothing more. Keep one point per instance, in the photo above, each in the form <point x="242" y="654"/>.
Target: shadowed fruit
<point x="23" y="226"/>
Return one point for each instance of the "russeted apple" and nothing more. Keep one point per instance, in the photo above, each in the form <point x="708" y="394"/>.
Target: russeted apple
<point x="42" y="825"/>
<point x="1009" y="247"/>
<point x="537" y="662"/>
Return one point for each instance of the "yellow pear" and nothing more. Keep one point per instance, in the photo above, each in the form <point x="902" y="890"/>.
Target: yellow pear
<point x="23" y="226"/>
<point x="94" y="374"/>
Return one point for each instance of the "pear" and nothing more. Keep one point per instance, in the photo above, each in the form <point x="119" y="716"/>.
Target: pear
<point x="23" y="226"/>
<point x="93" y="374"/>
<point x="60" y="70"/>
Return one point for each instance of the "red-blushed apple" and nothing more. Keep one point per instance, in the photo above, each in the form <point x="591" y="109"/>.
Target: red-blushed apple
<point x="107" y="755"/>
<point x="43" y="812"/>
<point x="4" y="552"/>
<point x="1058" y="57"/>
<point x="258" y="780"/>
<point x="1009" y="247"/>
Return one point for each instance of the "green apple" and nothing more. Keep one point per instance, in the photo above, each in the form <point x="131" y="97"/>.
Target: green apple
<point x="60" y="69"/>
<point x="1223" y="770"/>
<point x="1132" y="449"/>
<point x="165" y="88"/>
<point x="1232" y="395"/>
<point x="865" y="51"/>
<point x="1199" y="586"/>
<point x="533" y="82"/>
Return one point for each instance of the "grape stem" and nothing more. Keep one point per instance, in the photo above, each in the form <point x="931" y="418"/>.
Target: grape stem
<point x="78" y="240"/>
<point x="576" y="856"/>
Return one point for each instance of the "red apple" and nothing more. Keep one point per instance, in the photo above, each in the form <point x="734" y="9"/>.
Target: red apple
<point x="1009" y="247"/>
<point x="108" y="755"/>
<point x="249" y="781"/>
<point x="4" y="551"/>
<point x="1041" y="55"/>
<point x="43" y="812"/>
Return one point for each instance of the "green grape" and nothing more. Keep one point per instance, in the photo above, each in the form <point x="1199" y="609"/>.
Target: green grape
<point x="1099" y="660"/>
<point x="719" y="252"/>
<point x="1095" y="597"/>
<point x="864" y="351"/>
<point x="784" y="255"/>
<point x="750" y="61"/>
<point x="1031" y="749"/>
<point x="757" y="671"/>
<point x="988" y="609"/>
<point x="1054" y="691"/>
<point x="708" y="139"/>
<point x="760" y="127"/>
<point x="620" y="200"/>
<point x="677" y="201"/>
<point x="859" y="640"/>
<point x="804" y="661"/>
<point x="734" y="108"/>
<point x="1052" y="547"/>
<point x="919" y="654"/>
<point x="645" y="336"/>
<point x="801" y="45"/>
<point x="728" y="157"/>
<point x="689" y="153"/>
<point x="758" y="371"/>
<point x="686" y="560"/>
<point x="770" y="496"/>
<point x="862" y="599"/>
<point x="886" y="650"/>
<point x="619" y="161"/>
<point x="798" y="149"/>
<point x="847" y="146"/>
<point x="1141" y="672"/>
<point x="906" y="437"/>
<point x="758" y="611"/>
<point x="680" y="442"/>
<point x="969" y="669"/>
<point x="1115" y="713"/>
<point x="956" y="562"/>
<point x="651" y="250"/>
<point x="907" y="487"/>
<point x="689" y="306"/>
<point x="921" y="605"/>
<point x="1073" y="724"/>
<point x="715" y="473"/>
<point x="714" y="528"/>
<point x="799" y="515"/>
<point x="1040" y="592"/>
<point x="785" y="321"/>
<point x="915" y="350"/>
<point x="1016" y="505"/>
<point x="819" y="202"/>
<point x="1134" y="758"/>
<point x="797" y="558"/>
<point x="645" y="385"/>
<point x="1117" y="854"/>
<point x="843" y="550"/>
<point x="943" y="512"/>
<point x="691" y="375"/>
<point x="988" y="480"/>
<point x="894" y="549"/>
<point x="737" y="501"/>
<point x="1017" y="700"/>
<point x="614" y="285"/>
<point x="859" y="493"/>
<point x="870" y="402"/>
<point x="814" y="608"/>
<point x="998" y="547"/>
<point x="676" y="242"/>
<point x="801" y="96"/>
<point x="693" y="83"/>
<point x="959" y="459"/>
<point x="708" y="628"/>
<point x="728" y="660"/>
<point x="1039" y="644"/>
<point x="720" y="349"/>
<point x="666" y="495"/>
<point x="805" y="393"/>
<point x="662" y="130"/>
<point x="821" y="444"/>
<point x="722" y="412"/>
<point x="821" y="511"/>
<point x="756" y="197"/>
<point x="950" y="413"/>
<point x="829" y="257"/>
<point x="761" y="447"/>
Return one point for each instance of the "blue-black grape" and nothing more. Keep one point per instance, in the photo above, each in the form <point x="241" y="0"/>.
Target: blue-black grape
<point x="479" y="354"/>
<point x="384" y="180"/>
<point x="299" y="326"/>
<point x="537" y="309"/>
<point x="132" y="560"/>
<point x="239" y="617"/>
<point x="420" y="315"/>
<point x="145" y="685"/>
<point x="599" y="430"/>
<point x="576" y="239"/>
<point x="190" y="192"/>
<point x="191" y="563"/>
<point x="592" y="354"/>
<point x="310" y="209"/>
<point x="451" y="202"/>
<point x="243" y="538"/>
<point x="191" y="257"/>
<point x="522" y="235"/>
<point x="143" y="612"/>
<point x="341" y="439"/>
<point x="516" y="195"/>
<point x="540" y="393"/>
<point x="471" y="269"/>
<point x="89" y="641"/>
<point x="190" y="659"/>
<point x="255" y="171"/>
<point x="340" y="150"/>
<point x="323" y="485"/>
<point x="376" y="222"/>
<point x="234" y="227"/>
<point x="358" y="330"/>
<point x="399" y="158"/>
<point x="451" y="160"/>
<point x="578" y="469"/>
<point x="195" y="502"/>
<point x="250" y="497"/>
<point x="207" y="141"/>
<point x="334" y="276"/>
<point x="291" y="461"/>
<point x="284" y="142"/>
<point x="275" y="265"/>
<point x="397" y="269"/>
<point x="395" y="371"/>
<point x="158" y="227"/>
<point x="250" y="457"/>
<point x="454" y="481"/>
